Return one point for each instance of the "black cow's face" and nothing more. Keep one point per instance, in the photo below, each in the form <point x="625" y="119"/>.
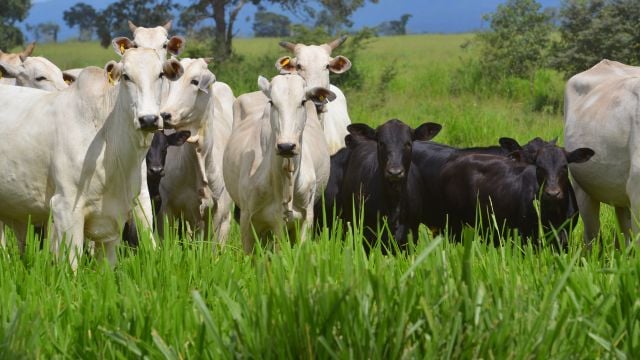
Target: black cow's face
<point x="552" y="172"/>
<point x="157" y="153"/>
<point x="395" y="139"/>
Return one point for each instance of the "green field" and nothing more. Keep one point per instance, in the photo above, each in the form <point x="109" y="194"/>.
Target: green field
<point x="325" y="298"/>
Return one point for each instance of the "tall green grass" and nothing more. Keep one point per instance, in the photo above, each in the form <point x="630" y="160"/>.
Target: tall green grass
<point x="326" y="298"/>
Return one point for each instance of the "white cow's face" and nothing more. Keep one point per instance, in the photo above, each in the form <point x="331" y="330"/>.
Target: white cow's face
<point x="188" y="97"/>
<point x="37" y="72"/>
<point x="313" y="63"/>
<point x="140" y="75"/>
<point x="289" y="109"/>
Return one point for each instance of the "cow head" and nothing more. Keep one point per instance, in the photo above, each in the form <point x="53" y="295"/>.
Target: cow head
<point x="152" y="38"/>
<point x="140" y="74"/>
<point x="551" y="163"/>
<point x="157" y="154"/>
<point x="313" y="62"/>
<point x="17" y="58"/>
<point x="289" y="105"/>
<point x="36" y="72"/>
<point x="189" y="97"/>
<point x="395" y="140"/>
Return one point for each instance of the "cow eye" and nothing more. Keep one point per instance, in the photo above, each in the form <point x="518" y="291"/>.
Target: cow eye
<point x="303" y="102"/>
<point x="126" y="77"/>
<point x="328" y="66"/>
<point x="164" y="46"/>
<point x="41" y="78"/>
<point x="298" y="66"/>
<point x="161" y="75"/>
<point x="195" y="82"/>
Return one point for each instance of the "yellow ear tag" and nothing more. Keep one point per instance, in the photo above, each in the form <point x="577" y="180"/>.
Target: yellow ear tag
<point x="122" y="49"/>
<point x="321" y="98"/>
<point x="285" y="62"/>
<point x="111" y="81"/>
<point x="67" y="82"/>
<point x="1" y="75"/>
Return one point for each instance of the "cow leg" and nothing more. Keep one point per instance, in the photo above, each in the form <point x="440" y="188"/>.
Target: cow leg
<point x="590" y="212"/>
<point x="20" y="231"/>
<point x="69" y="225"/>
<point x="143" y="210"/>
<point x="246" y="232"/>
<point x="222" y="218"/>
<point x="623" y="215"/>
<point x="107" y="249"/>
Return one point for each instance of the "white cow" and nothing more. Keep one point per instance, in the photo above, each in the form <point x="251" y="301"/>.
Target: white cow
<point x="277" y="162"/>
<point x="15" y="60"/>
<point x="313" y="63"/>
<point x="38" y="73"/>
<point x="601" y="112"/>
<point x="76" y="153"/>
<point x="193" y="184"/>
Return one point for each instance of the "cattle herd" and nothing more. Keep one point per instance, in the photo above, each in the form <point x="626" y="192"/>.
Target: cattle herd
<point x="147" y="137"/>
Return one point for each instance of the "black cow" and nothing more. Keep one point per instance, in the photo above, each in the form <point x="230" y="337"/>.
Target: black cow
<point x="375" y="170"/>
<point x="507" y="189"/>
<point x="155" y="160"/>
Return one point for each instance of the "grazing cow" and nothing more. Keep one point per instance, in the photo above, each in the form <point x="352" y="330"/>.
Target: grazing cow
<point x="277" y="163"/>
<point x="81" y="150"/>
<point x="15" y="60"/>
<point x="507" y="189"/>
<point x="313" y="63"/>
<point x="377" y="179"/>
<point x="600" y="112"/>
<point x="36" y="72"/>
<point x="193" y="185"/>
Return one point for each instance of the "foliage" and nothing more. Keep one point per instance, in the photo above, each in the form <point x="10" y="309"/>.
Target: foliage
<point x="269" y="24"/>
<point x="330" y="15"/>
<point x="394" y="27"/>
<point x="12" y="11"/>
<point x="112" y="21"/>
<point x="517" y="41"/>
<point x="591" y="30"/>
<point x="45" y="32"/>
<point x="84" y="17"/>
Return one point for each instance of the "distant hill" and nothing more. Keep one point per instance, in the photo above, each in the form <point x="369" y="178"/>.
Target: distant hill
<point x="437" y="16"/>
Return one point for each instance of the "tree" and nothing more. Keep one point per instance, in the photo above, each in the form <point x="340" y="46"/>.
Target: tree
<point x="332" y="15"/>
<point x="591" y="30"/>
<point x="268" y="24"/>
<point x="45" y="32"/>
<point x="394" y="27"/>
<point x="112" y="21"/>
<point x="12" y="11"/>
<point x="517" y="41"/>
<point x="84" y="17"/>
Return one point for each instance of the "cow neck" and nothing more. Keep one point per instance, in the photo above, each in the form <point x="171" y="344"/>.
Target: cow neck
<point x="202" y="145"/>
<point x="395" y="193"/>
<point x="284" y="172"/>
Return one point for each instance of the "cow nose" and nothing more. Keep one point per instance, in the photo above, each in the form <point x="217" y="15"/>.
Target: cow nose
<point x="395" y="173"/>
<point x="148" y="122"/>
<point x="165" y="116"/>
<point x="554" y="193"/>
<point x="156" y="170"/>
<point x="286" y="149"/>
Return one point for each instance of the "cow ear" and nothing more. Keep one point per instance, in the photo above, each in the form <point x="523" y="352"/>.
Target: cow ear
<point x="362" y="130"/>
<point x="580" y="155"/>
<point x="178" y="138"/>
<point x="9" y="71"/>
<point x="320" y="95"/>
<point x="339" y="64"/>
<point x="121" y="44"/>
<point x="264" y="85"/>
<point x="175" y="45"/>
<point x="509" y="144"/>
<point x="172" y="69"/>
<point x="286" y="65"/>
<point x="553" y="141"/>
<point x="206" y="80"/>
<point x="426" y="131"/>
<point x="27" y="51"/>
<point x="167" y="25"/>
<point x="113" y="70"/>
<point x="68" y="78"/>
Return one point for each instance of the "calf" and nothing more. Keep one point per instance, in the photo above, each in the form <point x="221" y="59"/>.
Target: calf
<point x="378" y="177"/>
<point x="507" y="189"/>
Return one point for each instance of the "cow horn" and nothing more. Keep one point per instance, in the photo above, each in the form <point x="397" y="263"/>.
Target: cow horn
<point x="27" y="51"/>
<point x="132" y="26"/>
<point x="337" y="42"/>
<point x="167" y="26"/>
<point x="287" y="45"/>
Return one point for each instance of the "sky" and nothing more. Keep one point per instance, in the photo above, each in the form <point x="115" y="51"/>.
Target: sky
<point x="432" y="16"/>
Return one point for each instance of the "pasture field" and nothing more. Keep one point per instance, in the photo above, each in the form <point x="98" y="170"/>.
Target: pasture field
<point x="325" y="298"/>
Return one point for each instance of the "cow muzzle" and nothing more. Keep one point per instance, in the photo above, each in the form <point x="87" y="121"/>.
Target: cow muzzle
<point x="553" y="193"/>
<point x="395" y="174"/>
<point x="287" y="149"/>
<point x="149" y="122"/>
<point x="155" y="171"/>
